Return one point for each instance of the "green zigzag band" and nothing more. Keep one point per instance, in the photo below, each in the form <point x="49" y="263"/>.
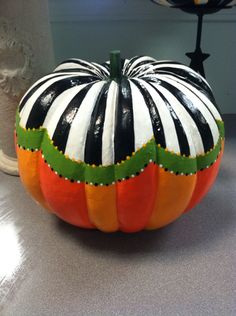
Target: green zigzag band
<point x="80" y="171"/>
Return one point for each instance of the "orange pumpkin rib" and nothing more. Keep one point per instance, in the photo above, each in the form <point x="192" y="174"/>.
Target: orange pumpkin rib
<point x="67" y="199"/>
<point x="29" y="173"/>
<point x="135" y="199"/>
<point x="101" y="203"/>
<point x="173" y="195"/>
<point x="205" y="180"/>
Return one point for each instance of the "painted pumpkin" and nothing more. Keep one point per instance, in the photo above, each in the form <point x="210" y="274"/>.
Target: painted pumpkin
<point x="126" y="145"/>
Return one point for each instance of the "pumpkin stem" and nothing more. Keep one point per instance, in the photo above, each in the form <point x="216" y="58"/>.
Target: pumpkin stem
<point x="115" y="65"/>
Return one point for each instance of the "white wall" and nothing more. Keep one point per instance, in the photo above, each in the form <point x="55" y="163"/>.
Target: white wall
<point x="89" y="29"/>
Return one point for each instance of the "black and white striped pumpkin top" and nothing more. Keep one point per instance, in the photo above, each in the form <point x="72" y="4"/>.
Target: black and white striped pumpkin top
<point x="94" y="119"/>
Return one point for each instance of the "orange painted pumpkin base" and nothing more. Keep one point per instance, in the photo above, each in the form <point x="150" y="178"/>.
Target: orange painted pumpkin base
<point x="128" y="205"/>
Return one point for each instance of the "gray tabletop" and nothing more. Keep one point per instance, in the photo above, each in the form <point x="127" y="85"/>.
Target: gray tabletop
<point x="48" y="267"/>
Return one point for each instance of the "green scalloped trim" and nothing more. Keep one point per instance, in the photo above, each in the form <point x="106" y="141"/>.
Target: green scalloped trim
<point x="80" y="171"/>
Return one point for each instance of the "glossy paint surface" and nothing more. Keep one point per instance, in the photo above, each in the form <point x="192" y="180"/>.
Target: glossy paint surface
<point x="99" y="121"/>
<point x="119" y="153"/>
<point x="48" y="267"/>
<point x="150" y="199"/>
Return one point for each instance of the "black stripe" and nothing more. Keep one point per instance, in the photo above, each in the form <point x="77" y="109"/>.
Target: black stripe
<point x="164" y="62"/>
<point x="144" y="62"/>
<point x="82" y="63"/>
<point x="32" y="91"/>
<point x="141" y="71"/>
<point x="130" y="63"/>
<point x="157" y="126"/>
<point x="77" y="70"/>
<point x="124" y="124"/>
<point x="106" y="65"/>
<point x="102" y="69"/>
<point x="182" y="138"/>
<point x="79" y="62"/>
<point x="199" y="119"/>
<point x="93" y="144"/>
<point x="139" y="67"/>
<point x="184" y="84"/>
<point x="190" y="77"/>
<point x="45" y="100"/>
<point x="62" y="130"/>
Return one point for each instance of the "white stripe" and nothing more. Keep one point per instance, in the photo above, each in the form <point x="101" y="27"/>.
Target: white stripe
<point x="197" y="103"/>
<point x="74" y="65"/>
<point x="189" y="126"/>
<point x="139" y="60"/>
<point x="31" y="101"/>
<point x="109" y="125"/>
<point x="38" y="81"/>
<point x="78" y="131"/>
<point x="58" y="107"/>
<point x="101" y="68"/>
<point x="54" y="75"/>
<point x="211" y="107"/>
<point x="76" y="62"/>
<point x="171" y="138"/>
<point x="177" y="66"/>
<point x="143" y="131"/>
<point x="126" y="62"/>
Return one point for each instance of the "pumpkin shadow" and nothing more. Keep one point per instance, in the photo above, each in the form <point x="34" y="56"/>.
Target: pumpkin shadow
<point x="114" y="242"/>
<point x="206" y="224"/>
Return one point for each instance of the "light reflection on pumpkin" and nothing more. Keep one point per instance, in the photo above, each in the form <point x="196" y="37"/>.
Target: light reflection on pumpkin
<point x="126" y="152"/>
